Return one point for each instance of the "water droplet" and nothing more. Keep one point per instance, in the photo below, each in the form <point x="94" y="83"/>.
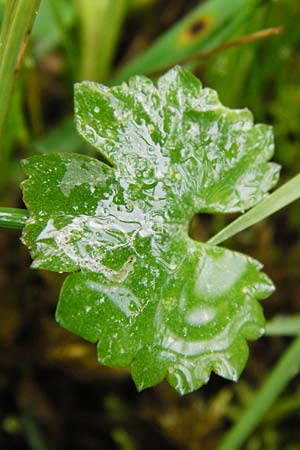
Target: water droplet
<point x="173" y="265"/>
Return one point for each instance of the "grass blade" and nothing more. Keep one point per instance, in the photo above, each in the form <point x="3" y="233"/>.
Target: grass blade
<point x="284" y="371"/>
<point x="17" y="23"/>
<point x="284" y="326"/>
<point x="282" y="197"/>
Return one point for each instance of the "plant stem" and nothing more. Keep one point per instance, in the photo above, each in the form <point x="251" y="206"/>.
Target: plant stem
<point x="13" y="217"/>
<point x="282" y="197"/>
<point x="284" y="371"/>
<point x="17" y="22"/>
<point x="101" y="22"/>
<point x="199" y="57"/>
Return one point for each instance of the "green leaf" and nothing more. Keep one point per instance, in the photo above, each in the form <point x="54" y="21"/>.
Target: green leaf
<point x="148" y="294"/>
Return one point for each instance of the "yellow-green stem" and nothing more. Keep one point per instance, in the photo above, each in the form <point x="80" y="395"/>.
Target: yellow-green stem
<point x="100" y="21"/>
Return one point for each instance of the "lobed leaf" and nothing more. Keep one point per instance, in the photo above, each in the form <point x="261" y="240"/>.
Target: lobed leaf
<point x="148" y="294"/>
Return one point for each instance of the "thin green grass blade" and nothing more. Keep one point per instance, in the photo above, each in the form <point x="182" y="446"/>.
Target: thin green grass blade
<point x="284" y="371"/>
<point x="284" y="326"/>
<point x="16" y="27"/>
<point x="282" y="197"/>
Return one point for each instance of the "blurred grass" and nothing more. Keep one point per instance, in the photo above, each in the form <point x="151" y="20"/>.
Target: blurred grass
<point x="51" y="376"/>
<point x="100" y="24"/>
<point x="203" y="28"/>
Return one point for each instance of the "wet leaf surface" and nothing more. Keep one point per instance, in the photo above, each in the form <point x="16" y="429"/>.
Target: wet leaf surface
<point x="148" y="294"/>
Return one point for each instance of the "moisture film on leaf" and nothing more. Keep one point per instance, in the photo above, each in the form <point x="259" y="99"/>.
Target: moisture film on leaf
<point x="141" y="288"/>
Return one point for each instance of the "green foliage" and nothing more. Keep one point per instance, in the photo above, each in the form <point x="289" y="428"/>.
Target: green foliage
<point x="62" y="138"/>
<point x="55" y="18"/>
<point x="142" y="288"/>
<point x="204" y="27"/>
